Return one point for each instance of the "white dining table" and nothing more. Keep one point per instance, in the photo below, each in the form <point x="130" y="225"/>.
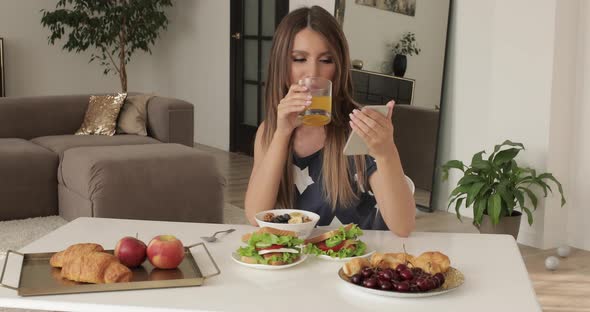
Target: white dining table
<point x="496" y="278"/>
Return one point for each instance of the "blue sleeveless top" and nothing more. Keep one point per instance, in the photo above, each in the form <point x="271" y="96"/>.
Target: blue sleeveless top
<point x="309" y="189"/>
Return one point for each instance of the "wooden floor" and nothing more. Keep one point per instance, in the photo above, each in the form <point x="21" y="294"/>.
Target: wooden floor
<point x="566" y="289"/>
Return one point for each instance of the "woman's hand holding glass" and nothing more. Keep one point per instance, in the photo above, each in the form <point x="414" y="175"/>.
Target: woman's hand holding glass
<point x="375" y="129"/>
<point x="296" y="101"/>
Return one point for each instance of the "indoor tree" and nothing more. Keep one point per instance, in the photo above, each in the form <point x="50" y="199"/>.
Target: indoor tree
<point x="115" y="29"/>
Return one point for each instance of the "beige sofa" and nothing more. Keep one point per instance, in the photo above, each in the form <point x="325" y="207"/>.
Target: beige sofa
<point x="155" y="177"/>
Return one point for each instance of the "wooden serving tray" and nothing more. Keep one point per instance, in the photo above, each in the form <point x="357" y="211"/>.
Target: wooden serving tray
<point x="38" y="278"/>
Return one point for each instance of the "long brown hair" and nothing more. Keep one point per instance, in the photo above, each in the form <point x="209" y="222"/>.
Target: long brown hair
<point x="336" y="172"/>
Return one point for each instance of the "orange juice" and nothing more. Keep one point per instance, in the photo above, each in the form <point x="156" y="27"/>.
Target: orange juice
<point x="319" y="112"/>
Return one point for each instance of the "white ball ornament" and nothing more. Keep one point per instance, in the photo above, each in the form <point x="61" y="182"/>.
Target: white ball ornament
<point x="552" y="263"/>
<point x="564" y="251"/>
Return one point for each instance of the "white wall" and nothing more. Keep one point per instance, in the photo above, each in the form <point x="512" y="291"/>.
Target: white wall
<point x="33" y="67"/>
<point x="520" y="74"/>
<point x="370" y="30"/>
<point x="579" y="198"/>
<point x="326" y="4"/>
<point x="190" y="61"/>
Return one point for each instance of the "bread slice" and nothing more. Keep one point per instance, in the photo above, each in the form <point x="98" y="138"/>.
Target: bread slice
<point x="327" y="235"/>
<point x="270" y="230"/>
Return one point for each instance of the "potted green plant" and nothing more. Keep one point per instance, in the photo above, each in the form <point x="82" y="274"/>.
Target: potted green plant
<point x="116" y="29"/>
<point x="405" y="46"/>
<point x="497" y="187"/>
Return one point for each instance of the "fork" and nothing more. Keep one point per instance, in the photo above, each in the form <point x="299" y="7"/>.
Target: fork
<point x="212" y="238"/>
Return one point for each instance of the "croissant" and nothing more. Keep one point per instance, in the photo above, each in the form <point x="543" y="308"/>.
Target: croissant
<point x="432" y="262"/>
<point x="390" y="260"/>
<point x="58" y="259"/>
<point x="355" y="266"/>
<point x="96" y="267"/>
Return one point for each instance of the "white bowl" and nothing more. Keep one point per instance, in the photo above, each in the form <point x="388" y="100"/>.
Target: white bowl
<point x="303" y="230"/>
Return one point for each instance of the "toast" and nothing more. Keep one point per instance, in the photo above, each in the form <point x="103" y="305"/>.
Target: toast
<point x="327" y="235"/>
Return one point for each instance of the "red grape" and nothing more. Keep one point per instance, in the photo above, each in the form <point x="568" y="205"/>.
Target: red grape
<point x="356" y="279"/>
<point x="402" y="286"/>
<point x="370" y="283"/>
<point x="406" y="274"/>
<point x="401" y="267"/>
<point x="386" y="285"/>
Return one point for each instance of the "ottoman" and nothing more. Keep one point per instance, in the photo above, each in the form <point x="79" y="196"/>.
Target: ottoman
<point x="28" y="185"/>
<point x="163" y="182"/>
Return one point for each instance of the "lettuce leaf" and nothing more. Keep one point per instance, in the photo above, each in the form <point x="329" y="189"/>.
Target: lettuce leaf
<point x="271" y="239"/>
<point x="342" y="235"/>
<point x="354" y="232"/>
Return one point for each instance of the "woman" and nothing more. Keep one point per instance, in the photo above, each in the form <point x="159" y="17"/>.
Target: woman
<point x="303" y="167"/>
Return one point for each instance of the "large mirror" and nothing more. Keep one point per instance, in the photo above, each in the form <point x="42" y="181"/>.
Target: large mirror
<point x="414" y="81"/>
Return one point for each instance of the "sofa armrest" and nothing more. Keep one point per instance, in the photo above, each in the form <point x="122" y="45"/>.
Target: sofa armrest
<point x="171" y="120"/>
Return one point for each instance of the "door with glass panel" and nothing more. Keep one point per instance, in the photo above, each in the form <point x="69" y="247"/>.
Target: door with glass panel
<point x="253" y="23"/>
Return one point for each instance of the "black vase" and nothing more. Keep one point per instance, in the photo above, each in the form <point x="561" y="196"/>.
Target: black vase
<point x="399" y="65"/>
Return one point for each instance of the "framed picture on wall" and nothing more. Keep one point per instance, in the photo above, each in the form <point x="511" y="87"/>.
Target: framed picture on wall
<point x="2" y="85"/>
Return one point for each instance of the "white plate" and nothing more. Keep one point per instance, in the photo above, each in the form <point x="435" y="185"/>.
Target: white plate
<point x="237" y="258"/>
<point x="456" y="279"/>
<point x="326" y="257"/>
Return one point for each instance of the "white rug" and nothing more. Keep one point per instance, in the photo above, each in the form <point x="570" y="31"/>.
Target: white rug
<point x="16" y="234"/>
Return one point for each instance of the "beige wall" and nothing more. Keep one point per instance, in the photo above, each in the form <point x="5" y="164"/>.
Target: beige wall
<point x="33" y="67"/>
<point x="190" y="61"/>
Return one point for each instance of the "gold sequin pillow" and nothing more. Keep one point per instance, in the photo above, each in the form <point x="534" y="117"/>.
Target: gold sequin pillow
<point x="101" y="115"/>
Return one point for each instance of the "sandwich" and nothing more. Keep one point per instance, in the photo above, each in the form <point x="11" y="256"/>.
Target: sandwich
<point x="340" y="243"/>
<point x="271" y="246"/>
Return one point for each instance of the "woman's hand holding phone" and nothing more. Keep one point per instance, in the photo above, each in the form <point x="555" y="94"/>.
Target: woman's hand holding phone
<point x="373" y="126"/>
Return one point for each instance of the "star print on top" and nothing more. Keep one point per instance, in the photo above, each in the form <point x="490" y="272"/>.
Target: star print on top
<point x="309" y="195"/>
<point x="302" y="178"/>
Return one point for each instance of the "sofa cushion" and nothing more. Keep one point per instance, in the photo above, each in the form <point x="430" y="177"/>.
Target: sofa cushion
<point x="28" y="183"/>
<point x="133" y="116"/>
<point x="168" y="182"/>
<point x="60" y="143"/>
<point x="101" y="115"/>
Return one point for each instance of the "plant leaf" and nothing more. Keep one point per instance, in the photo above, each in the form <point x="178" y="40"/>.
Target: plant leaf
<point x="456" y="164"/>
<point x="472" y="193"/>
<point x="519" y="197"/>
<point x="480" y="207"/>
<point x="460" y="189"/>
<point x="457" y="206"/>
<point x="529" y="215"/>
<point x="469" y="179"/>
<point x="505" y="156"/>
<point x="481" y="165"/>
<point x="494" y="208"/>
<point x="507" y="196"/>
<point x="559" y="187"/>
<point x="531" y="195"/>
<point x="477" y="156"/>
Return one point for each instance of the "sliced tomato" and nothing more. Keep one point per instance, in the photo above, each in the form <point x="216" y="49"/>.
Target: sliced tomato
<point x="271" y="247"/>
<point x="322" y="246"/>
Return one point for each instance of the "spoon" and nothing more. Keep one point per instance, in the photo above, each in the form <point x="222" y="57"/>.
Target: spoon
<point x="212" y="238"/>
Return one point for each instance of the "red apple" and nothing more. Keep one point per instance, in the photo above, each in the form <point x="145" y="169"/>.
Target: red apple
<point x="165" y="251"/>
<point x="130" y="251"/>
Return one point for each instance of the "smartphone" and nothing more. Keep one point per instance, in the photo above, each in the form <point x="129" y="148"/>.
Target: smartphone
<point x="355" y="144"/>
